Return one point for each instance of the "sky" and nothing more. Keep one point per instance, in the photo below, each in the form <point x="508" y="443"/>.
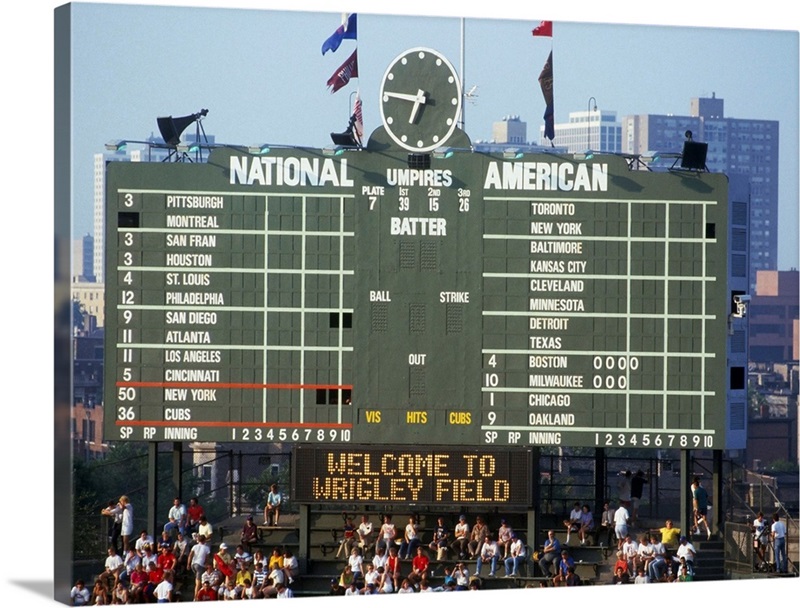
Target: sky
<point x="232" y="71"/>
<point x="262" y="76"/>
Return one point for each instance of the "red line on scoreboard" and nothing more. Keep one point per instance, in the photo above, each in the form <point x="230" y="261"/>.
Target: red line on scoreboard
<point x="236" y="385"/>
<point x="212" y="423"/>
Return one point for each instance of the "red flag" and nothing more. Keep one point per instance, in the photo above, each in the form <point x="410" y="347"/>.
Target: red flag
<point x="545" y="28"/>
<point x="344" y="73"/>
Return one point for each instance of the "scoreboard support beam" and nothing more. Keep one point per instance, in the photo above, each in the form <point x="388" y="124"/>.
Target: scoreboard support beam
<point x="599" y="479"/>
<point x="534" y="513"/>
<point x="152" y="488"/>
<point x="686" y="494"/>
<point x="177" y="470"/>
<point x="716" y="491"/>
<point x="303" y="525"/>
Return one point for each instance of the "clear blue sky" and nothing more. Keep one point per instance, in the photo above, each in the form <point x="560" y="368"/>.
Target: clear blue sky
<point x="262" y="76"/>
<point x="756" y="74"/>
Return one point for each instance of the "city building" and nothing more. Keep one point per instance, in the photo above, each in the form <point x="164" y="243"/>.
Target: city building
<point x="83" y="258"/>
<point x="591" y="129"/>
<point x="510" y="135"/>
<point x="91" y="296"/>
<point x="150" y="150"/>
<point x="747" y="147"/>
<point x="774" y="314"/>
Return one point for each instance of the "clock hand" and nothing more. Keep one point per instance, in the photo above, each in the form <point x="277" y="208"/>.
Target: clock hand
<point x="404" y="96"/>
<point x="418" y="100"/>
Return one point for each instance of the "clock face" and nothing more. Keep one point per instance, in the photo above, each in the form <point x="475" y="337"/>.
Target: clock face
<point x="420" y="100"/>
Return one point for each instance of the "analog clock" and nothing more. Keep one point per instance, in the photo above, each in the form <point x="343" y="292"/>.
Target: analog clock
<point x="420" y="100"/>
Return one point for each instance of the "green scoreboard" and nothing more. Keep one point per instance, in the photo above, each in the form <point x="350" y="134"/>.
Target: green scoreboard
<point x="402" y="294"/>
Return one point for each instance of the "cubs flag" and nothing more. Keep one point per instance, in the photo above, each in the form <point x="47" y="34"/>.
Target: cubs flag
<point x="348" y="29"/>
<point x="546" y="82"/>
<point x="344" y="73"/>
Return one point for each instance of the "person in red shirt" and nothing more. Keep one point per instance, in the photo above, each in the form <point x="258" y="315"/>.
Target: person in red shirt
<point x="194" y="513"/>
<point x="419" y="568"/>
<point x="166" y="559"/>
<point x="393" y="567"/>
<point x="207" y="593"/>
<point x="138" y="582"/>
<point x="154" y="576"/>
<point x="621" y="563"/>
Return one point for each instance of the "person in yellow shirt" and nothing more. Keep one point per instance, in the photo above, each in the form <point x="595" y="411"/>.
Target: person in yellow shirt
<point x="670" y="535"/>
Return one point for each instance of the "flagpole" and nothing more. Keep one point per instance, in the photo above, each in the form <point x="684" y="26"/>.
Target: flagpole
<point x="463" y="82"/>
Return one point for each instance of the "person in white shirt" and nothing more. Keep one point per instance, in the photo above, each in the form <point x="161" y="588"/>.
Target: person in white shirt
<point x="658" y="565"/>
<point x="163" y="591"/>
<point x="630" y="551"/>
<point x="410" y="539"/>
<point x="461" y="537"/>
<point x="380" y="558"/>
<point x="489" y="554"/>
<point x="371" y="575"/>
<point x="516" y="555"/>
<point x="621" y="517"/>
<point x="645" y="553"/>
<point x="80" y="595"/>
<point x="144" y="540"/>
<point x="573" y="522"/>
<point x="387" y="533"/>
<point x="283" y="591"/>
<point x="778" y="532"/>
<point x="196" y="560"/>
<point x="405" y="587"/>
<point x="687" y="551"/>
<point x="176" y="518"/>
<point x="355" y="561"/>
<point x="365" y="533"/>
<point x="114" y="567"/>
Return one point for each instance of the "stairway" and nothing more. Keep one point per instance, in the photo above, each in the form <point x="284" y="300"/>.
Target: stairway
<point x="709" y="563"/>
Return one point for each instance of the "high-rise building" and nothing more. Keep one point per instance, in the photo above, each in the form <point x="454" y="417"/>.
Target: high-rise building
<point x="591" y="129"/>
<point x="83" y="258"/>
<point x="773" y="317"/>
<point x="740" y="146"/>
<point x="143" y="153"/>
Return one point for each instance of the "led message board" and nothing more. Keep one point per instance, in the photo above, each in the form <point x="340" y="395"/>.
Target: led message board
<point x="408" y="475"/>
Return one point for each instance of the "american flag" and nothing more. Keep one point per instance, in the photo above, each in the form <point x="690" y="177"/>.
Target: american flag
<point x="358" y="120"/>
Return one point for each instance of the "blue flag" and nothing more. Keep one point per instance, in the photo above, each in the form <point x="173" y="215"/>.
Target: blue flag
<point x="346" y="30"/>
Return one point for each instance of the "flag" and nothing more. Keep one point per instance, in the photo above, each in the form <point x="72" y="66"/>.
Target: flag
<point x="344" y="73"/>
<point x="546" y="82"/>
<point x="358" y="120"/>
<point x="545" y="28"/>
<point x="346" y="30"/>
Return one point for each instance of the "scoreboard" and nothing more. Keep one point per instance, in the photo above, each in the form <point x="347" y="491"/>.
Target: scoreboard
<point x="377" y="297"/>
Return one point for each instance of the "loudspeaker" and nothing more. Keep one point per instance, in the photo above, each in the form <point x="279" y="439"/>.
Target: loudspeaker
<point x="171" y="128"/>
<point x="694" y="155"/>
<point x="343" y="139"/>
